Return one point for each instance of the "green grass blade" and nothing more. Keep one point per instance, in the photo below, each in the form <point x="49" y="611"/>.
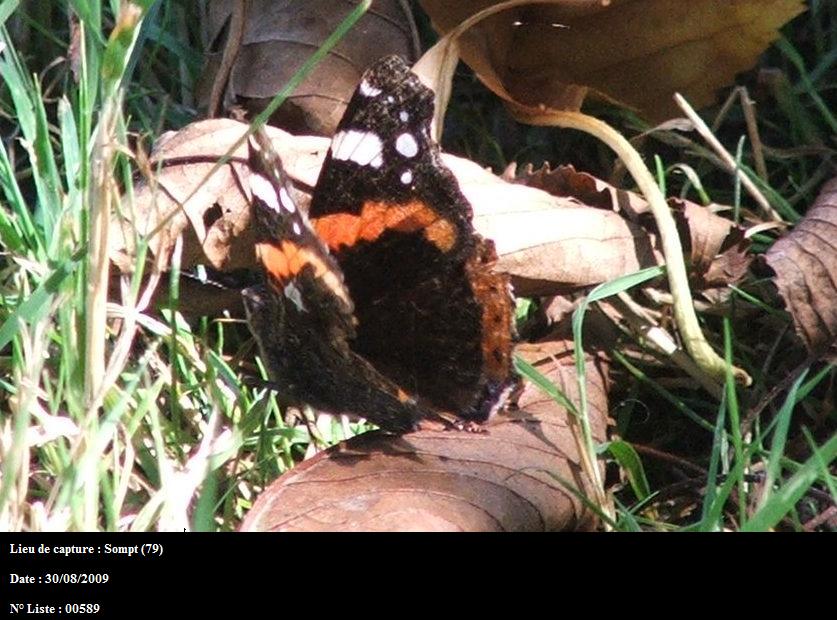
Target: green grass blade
<point x="775" y="198"/>
<point x="676" y="402"/>
<point x="627" y="522"/>
<point x="69" y="145"/>
<point x="710" y="520"/>
<point x="758" y="303"/>
<point x="177" y="47"/>
<point x="32" y="119"/>
<point x="11" y="189"/>
<point x="736" y="201"/>
<point x="780" y="436"/>
<point x="600" y="292"/>
<point x="578" y="494"/>
<point x="824" y="473"/>
<point x="203" y="519"/>
<point x="90" y="14"/>
<point x="121" y="44"/>
<point x="224" y="372"/>
<point x="629" y="460"/>
<point x="824" y="66"/>
<point x="525" y="369"/>
<point x="10" y="236"/>
<point x="7" y="7"/>
<point x="19" y="233"/>
<point x="735" y="421"/>
<point x="809" y="386"/>
<point x="794" y="56"/>
<point x="45" y="171"/>
<point x="624" y="283"/>
<point x="33" y="307"/>
<point x="784" y="499"/>
<point x="660" y="169"/>
<point x="693" y="180"/>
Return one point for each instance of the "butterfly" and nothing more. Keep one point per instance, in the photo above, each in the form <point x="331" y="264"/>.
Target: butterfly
<point x="380" y="302"/>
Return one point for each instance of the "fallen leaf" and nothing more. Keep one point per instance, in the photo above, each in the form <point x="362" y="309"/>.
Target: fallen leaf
<point x="550" y="244"/>
<point x="567" y="181"/>
<point x="280" y="36"/>
<point x="805" y="264"/>
<point x="215" y="218"/>
<point x="637" y="52"/>
<point x="509" y="478"/>
<point x="436" y="69"/>
<point x="716" y="247"/>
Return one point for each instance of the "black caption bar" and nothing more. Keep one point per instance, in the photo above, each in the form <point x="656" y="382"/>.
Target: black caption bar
<point x="251" y="575"/>
<point x="191" y="575"/>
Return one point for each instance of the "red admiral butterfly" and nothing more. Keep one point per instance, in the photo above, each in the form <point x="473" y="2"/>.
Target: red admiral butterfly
<point x="380" y="302"/>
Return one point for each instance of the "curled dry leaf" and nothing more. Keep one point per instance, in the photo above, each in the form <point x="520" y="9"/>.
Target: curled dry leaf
<point x="550" y="243"/>
<point x="510" y="478"/>
<point x="716" y="247"/>
<point x="637" y="52"/>
<point x="590" y="190"/>
<point x="215" y="213"/>
<point x="278" y="37"/>
<point x="805" y="264"/>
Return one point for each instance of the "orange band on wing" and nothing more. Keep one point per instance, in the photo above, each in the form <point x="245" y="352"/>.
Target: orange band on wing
<point x="285" y="260"/>
<point x="375" y="218"/>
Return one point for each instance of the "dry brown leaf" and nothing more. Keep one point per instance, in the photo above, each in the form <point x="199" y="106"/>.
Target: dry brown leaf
<point x="280" y="36"/>
<point x="506" y="479"/>
<point x="717" y="249"/>
<point x="805" y="264"/>
<point x="571" y="248"/>
<point x="550" y="243"/>
<point x="436" y="69"/>
<point x="637" y="52"/>
<point x="216" y="218"/>
<point x="567" y="181"/>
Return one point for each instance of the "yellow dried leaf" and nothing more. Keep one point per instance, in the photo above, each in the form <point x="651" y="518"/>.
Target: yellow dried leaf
<point x="637" y="52"/>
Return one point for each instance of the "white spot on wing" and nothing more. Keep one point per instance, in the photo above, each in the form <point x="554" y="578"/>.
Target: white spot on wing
<point x="286" y="200"/>
<point x="406" y="177"/>
<point x="406" y="145"/>
<point x="292" y="292"/>
<point x="367" y="90"/>
<point x="404" y="116"/>
<point x="362" y="147"/>
<point x="264" y="191"/>
<point x="297" y="228"/>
